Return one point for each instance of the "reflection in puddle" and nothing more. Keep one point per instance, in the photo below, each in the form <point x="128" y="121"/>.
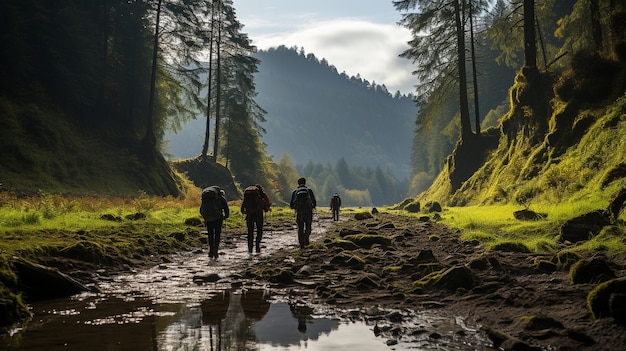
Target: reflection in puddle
<point x="228" y="320"/>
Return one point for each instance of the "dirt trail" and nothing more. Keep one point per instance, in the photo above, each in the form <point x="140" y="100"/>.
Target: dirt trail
<point x="519" y="306"/>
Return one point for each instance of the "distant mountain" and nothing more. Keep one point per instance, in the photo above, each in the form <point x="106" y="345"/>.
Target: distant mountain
<point x="317" y="114"/>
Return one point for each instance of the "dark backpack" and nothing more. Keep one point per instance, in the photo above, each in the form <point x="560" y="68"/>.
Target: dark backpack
<point x="336" y="201"/>
<point x="210" y="207"/>
<point x="304" y="204"/>
<point x="252" y="201"/>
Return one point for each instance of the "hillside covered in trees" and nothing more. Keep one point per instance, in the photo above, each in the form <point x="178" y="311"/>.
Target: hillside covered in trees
<point x="89" y="89"/>
<point x="565" y="101"/>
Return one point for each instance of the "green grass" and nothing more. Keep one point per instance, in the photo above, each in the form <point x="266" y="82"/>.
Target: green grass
<point x="495" y="225"/>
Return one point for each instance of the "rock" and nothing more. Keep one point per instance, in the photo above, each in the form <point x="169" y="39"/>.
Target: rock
<point x="178" y="236"/>
<point x="283" y="277"/>
<point x="110" y="217"/>
<point x="598" y="300"/>
<point x="458" y="277"/>
<point x="39" y="282"/>
<point x="362" y="216"/>
<point x="344" y="244"/>
<point x="193" y="221"/>
<point x="592" y="271"/>
<point x="367" y="281"/>
<point x="617" y="307"/>
<point x="529" y="215"/>
<point x="208" y="278"/>
<point x="135" y="216"/>
<point x="348" y="260"/>
<point x="374" y="210"/>
<point x="432" y="206"/>
<point x="345" y="231"/>
<point x="368" y="240"/>
<point x="425" y="256"/>
<point x="617" y="204"/>
<point x="413" y="207"/>
<point x="584" y="227"/>
<point x="387" y="226"/>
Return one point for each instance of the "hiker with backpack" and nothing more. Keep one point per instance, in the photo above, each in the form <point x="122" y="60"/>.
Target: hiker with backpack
<point x="255" y="203"/>
<point x="303" y="201"/>
<point x="214" y="210"/>
<point x="335" y="204"/>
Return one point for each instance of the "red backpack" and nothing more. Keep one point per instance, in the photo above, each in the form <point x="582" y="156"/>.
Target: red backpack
<point x="252" y="201"/>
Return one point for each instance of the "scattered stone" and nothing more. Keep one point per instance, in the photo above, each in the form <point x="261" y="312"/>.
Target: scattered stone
<point x="458" y="277"/>
<point x="346" y="259"/>
<point x="178" y="236"/>
<point x="413" y="207"/>
<point x="387" y="226"/>
<point x="374" y="210"/>
<point x="394" y="317"/>
<point x="584" y="227"/>
<point x="362" y="216"/>
<point x="135" y="216"/>
<point x="368" y="240"/>
<point x="110" y="217"/>
<point x="617" y="306"/>
<point x="598" y="300"/>
<point x="592" y="271"/>
<point x="432" y="206"/>
<point x="529" y="215"/>
<point x="345" y="231"/>
<point x="194" y="221"/>
<point x="208" y="278"/>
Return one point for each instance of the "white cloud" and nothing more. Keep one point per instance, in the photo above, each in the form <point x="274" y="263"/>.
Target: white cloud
<point x="351" y="45"/>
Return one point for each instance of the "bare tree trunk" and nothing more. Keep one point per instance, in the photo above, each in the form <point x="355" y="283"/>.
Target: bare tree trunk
<point x="207" y="134"/>
<point x="218" y="87"/>
<point x="149" y="140"/>
<point x="474" y="73"/>
<point x="530" y="42"/>
<point x="466" y="128"/>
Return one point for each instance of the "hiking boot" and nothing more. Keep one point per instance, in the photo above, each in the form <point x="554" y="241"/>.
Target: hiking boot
<point x="258" y="248"/>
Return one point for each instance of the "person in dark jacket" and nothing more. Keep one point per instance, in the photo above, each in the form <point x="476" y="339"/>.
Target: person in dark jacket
<point x="303" y="201"/>
<point x="214" y="226"/>
<point x="335" y="204"/>
<point x="254" y="211"/>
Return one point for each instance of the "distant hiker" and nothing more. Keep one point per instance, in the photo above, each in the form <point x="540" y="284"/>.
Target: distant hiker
<point x="303" y="201"/>
<point x="214" y="210"/>
<point x="255" y="203"/>
<point x="335" y="204"/>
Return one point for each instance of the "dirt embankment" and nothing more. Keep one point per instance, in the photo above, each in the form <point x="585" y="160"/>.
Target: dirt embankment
<point x="386" y="262"/>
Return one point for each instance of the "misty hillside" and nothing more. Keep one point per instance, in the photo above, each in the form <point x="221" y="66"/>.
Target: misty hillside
<point x="315" y="113"/>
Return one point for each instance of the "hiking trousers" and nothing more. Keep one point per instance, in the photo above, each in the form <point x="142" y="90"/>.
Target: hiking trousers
<point x="252" y="221"/>
<point x="335" y="214"/>
<point x="304" y="221"/>
<point x="214" y="228"/>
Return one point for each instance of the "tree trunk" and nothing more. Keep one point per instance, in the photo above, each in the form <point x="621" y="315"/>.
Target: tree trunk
<point x="218" y="84"/>
<point x="530" y="42"/>
<point x="149" y="140"/>
<point x="474" y="73"/>
<point x="466" y="128"/>
<point x="207" y="135"/>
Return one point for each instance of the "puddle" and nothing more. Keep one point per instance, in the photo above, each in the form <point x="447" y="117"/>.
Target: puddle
<point x="174" y="306"/>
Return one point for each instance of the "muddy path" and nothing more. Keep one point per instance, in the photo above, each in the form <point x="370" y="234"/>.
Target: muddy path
<point x="519" y="305"/>
<point x="178" y="303"/>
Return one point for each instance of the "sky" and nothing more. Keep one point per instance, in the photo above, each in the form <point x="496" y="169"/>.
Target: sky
<point x="356" y="36"/>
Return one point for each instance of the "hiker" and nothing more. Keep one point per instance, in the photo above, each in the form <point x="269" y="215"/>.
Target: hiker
<point x="303" y="201"/>
<point x="335" y="204"/>
<point x="214" y="210"/>
<point x="255" y="203"/>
